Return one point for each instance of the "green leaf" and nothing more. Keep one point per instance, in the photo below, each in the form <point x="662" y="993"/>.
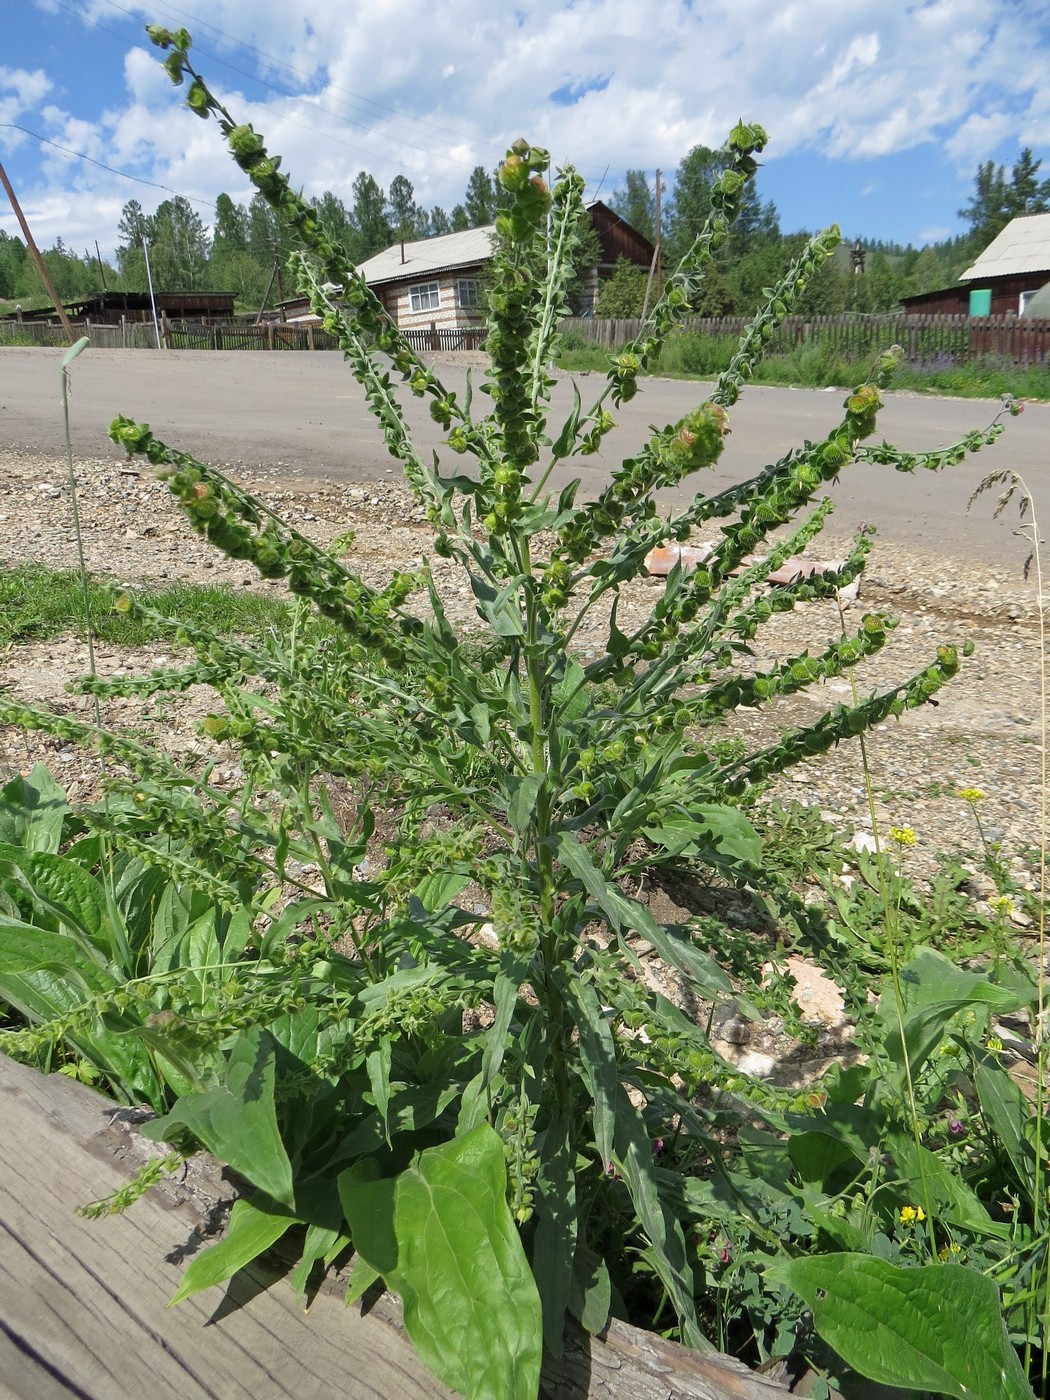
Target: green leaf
<point x="1008" y="1113"/>
<point x="442" y="1236"/>
<point x="32" y="812"/>
<point x="237" y="1122"/>
<point x="362" y="1277"/>
<point x="710" y="831"/>
<point x="554" y="1247"/>
<point x="521" y="802"/>
<point x="63" y="888"/>
<point x="621" y="1137"/>
<point x="252" y="1231"/>
<point x="933" y="990"/>
<point x="937" y="1327"/>
<point x="590" y="1298"/>
<point x="623" y="912"/>
<point x="320" y="1243"/>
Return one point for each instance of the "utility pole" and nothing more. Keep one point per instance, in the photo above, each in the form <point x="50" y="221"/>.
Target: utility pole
<point x="41" y="268"/>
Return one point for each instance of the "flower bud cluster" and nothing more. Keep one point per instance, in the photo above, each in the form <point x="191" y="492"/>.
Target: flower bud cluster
<point x="242" y="528"/>
<point x="844" y="722"/>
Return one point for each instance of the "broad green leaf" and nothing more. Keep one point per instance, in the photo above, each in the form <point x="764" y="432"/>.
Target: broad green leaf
<point x="436" y="892"/>
<point x="32" y="812"/>
<point x="238" y="1122"/>
<point x="1008" y="1113"/>
<point x="521" y="802"/>
<point x="936" y="1327"/>
<point x="711" y="831"/>
<point x="251" y="1232"/>
<point x="933" y="989"/>
<point x="63" y="888"/>
<point x="442" y="1236"/>
<point x="590" y="1298"/>
<point x="471" y="1305"/>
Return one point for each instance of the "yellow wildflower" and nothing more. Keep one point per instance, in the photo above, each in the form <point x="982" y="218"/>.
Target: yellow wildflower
<point x="1003" y="905"/>
<point x="909" y="1214"/>
<point x="903" y="835"/>
<point x="949" y="1251"/>
<point x="971" y="794"/>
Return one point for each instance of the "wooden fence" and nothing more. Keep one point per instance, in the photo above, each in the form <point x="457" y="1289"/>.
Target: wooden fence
<point x="925" y="339"/>
<point x="222" y="335"/>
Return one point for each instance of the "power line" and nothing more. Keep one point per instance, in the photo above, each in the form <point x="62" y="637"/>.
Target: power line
<point x="124" y="174"/>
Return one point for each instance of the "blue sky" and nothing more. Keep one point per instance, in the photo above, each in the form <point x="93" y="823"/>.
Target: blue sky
<point x="878" y="110"/>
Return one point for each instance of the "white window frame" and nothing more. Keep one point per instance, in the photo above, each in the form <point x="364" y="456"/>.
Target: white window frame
<point x="425" y="296"/>
<point x="472" y="301"/>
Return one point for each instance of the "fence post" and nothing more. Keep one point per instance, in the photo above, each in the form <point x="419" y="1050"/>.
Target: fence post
<point x="433" y="335"/>
<point x="310" y="337"/>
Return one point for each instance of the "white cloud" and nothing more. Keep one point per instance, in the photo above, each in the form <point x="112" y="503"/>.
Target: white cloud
<point x="407" y="86"/>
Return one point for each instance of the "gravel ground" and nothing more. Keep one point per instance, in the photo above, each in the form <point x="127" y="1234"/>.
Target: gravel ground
<point x="984" y="732"/>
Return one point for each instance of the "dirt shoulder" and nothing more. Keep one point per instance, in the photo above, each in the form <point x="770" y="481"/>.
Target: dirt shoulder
<point x="984" y="732"/>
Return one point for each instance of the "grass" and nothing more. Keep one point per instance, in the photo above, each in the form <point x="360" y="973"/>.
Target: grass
<point x="818" y="366"/>
<point x="37" y="602"/>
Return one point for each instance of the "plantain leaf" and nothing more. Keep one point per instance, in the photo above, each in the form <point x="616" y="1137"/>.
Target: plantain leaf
<point x="32" y="812"/>
<point x="937" y="1327"/>
<point x="252" y="1231"/>
<point x="442" y="1236"/>
<point x="237" y="1121"/>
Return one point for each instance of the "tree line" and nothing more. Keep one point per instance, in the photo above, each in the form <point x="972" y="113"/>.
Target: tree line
<point x="245" y="244"/>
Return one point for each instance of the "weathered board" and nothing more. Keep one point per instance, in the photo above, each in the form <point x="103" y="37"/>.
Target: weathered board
<point x="83" y="1303"/>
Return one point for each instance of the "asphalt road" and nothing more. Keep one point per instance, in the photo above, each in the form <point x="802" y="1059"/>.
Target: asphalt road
<point x="304" y="413"/>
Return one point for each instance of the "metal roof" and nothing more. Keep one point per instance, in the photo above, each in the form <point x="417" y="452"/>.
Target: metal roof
<point x="428" y="256"/>
<point x="1023" y="246"/>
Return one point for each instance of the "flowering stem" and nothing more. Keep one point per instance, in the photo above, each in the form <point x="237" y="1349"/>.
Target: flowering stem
<point x="890" y="919"/>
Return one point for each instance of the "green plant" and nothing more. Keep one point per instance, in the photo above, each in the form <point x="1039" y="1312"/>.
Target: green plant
<point x="409" y="1086"/>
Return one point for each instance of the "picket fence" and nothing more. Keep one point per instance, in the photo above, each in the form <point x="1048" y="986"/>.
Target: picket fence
<point x="927" y="340"/>
<point x="222" y="335"/>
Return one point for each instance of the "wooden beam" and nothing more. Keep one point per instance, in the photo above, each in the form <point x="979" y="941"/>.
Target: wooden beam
<point x="83" y="1303"/>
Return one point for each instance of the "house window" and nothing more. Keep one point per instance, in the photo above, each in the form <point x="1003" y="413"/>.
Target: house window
<point x="467" y="294"/>
<point x="425" y="296"/>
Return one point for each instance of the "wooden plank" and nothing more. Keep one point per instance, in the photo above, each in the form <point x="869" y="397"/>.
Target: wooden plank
<point x="83" y="1303"/>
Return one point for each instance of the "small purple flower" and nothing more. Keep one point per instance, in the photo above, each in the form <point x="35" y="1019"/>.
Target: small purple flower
<point x="657" y="1145"/>
<point x="955" y="1127"/>
<point x="724" y="1255"/>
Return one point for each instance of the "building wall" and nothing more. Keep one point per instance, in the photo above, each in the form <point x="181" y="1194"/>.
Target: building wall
<point x="447" y="315"/>
<point x="955" y="301"/>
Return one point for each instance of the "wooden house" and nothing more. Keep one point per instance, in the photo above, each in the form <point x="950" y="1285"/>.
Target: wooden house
<point x="1001" y="282"/>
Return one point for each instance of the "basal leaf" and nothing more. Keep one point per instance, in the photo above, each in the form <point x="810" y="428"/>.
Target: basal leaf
<point x="937" y="1327"/>
<point x="471" y="1305"/>
<point x="251" y="1232"/>
<point x="32" y="812"/>
<point x="237" y="1122"/>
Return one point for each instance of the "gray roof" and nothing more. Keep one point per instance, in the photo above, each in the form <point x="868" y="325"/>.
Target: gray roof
<point x="429" y="256"/>
<point x="1023" y="246"/>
